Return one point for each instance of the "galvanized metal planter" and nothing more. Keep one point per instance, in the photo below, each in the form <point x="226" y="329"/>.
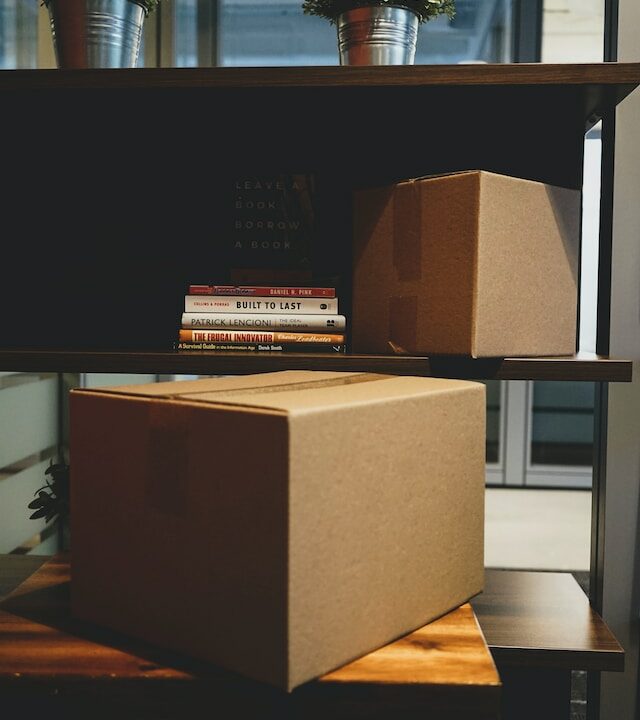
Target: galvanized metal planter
<point x="377" y="35"/>
<point x="96" y="33"/>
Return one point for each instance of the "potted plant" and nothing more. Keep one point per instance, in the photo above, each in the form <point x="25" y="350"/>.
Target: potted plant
<point x="97" y="33"/>
<point x="378" y="32"/>
<point x="52" y="499"/>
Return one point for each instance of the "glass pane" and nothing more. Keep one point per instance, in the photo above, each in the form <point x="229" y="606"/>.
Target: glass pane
<point x="479" y="32"/>
<point x="562" y="430"/>
<point x="18" y="34"/>
<point x="573" y="31"/>
<point x="493" y="420"/>
<point x="186" y="35"/>
<point x="276" y="32"/>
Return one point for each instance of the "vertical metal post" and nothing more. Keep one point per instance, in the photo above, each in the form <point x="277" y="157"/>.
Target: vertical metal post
<point x="602" y="348"/>
<point x="527" y="31"/>
<point x="208" y="33"/>
<point x="60" y="449"/>
<point x="515" y="447"/>
<point x="165" y="34"/>
<point x="598" y="496"/>
<point x="161" y="44"/>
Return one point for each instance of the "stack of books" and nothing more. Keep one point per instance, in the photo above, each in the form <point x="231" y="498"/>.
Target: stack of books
<point x="233" y="318"/>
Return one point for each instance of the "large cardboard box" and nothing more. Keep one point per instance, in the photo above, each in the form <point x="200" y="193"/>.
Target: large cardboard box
<point x="470" y="263"/>
<point x="278" y="525"/>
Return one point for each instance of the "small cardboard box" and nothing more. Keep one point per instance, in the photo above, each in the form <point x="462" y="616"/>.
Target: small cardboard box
<point x="470" y="263"/>
<point x="278" y="525"/>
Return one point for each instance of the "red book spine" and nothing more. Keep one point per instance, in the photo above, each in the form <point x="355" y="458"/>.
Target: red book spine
<point x="265" y="291"/>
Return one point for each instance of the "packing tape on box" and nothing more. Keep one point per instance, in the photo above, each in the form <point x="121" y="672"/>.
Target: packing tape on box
<point x="168" y="457"/>
<point x="165" y="489"/>
<point x="407" y="259"/>
<point x="403" y="321"/>
<point x="407" y="227"/>
<point x="287" y="387"/>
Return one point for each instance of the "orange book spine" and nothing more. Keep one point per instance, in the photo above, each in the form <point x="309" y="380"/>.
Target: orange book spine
<point x="257" y="336"/>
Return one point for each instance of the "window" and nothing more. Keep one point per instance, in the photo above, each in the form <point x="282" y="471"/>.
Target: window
<point x="573" y="31"/>
<point x="28" y="443"/>
<point x="276" y="32"/>
<point x="562" y="424"/>
<point x="18" y="34"/>
<point x="494" y="421"/>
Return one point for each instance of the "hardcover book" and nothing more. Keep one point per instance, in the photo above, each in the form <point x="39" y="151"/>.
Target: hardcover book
<point x="273" y="220"/>
<point x="262" y="291"/>
<point x="257" y="336"/>
<point x="262" y="347"/>
<point x="242" y="304"/>
<point x="268" y="321"/>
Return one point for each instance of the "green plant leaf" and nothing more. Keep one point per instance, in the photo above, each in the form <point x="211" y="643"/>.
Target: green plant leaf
<point x="424" y="9"/>
<point x="52" y="500"/>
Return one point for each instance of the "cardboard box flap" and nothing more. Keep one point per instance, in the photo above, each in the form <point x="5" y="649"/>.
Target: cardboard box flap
<point x="176" y="388"/>
<point x="435" y="176"/>
<point x="291" y="391"/>
<point x="419" y="178"/>
<point x="477" y="171"/>
<point x="328" y="394"/>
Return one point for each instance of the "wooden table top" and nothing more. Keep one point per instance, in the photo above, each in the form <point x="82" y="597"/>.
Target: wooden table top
<point x="444" y="668"/>
<point x="544" y="619"/>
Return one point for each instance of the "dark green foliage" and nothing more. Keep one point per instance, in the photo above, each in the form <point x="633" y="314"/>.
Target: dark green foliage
<point x="424" y="9"/>
<point x="149" y="5"/>
<point x="52" y="499"/>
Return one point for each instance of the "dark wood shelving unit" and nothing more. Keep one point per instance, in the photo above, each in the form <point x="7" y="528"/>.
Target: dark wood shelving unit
<point x="127" y="239"/>
<point x="136" y="215"/>
<point x="584" y="366"/>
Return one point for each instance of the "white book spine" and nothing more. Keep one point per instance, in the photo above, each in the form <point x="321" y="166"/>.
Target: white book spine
<point x="267" y="321"/>
<point x="260" y="305"/>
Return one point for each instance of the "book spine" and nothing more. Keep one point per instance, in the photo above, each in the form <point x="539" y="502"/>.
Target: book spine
<point x="264" y="321"/>
<point x="257" y="336"/>
<point x="263" y="347"/>
<point x="279" y="306"/>
<point x="267" y="291"/>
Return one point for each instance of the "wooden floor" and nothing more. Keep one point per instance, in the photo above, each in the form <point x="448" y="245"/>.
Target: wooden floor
<point x="537" y="529"/>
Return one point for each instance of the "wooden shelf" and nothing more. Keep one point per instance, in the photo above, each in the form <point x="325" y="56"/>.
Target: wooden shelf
<point x="544" y="619"/>
<point x="600" y="85"/>
<point x="50" y="660"/>
<point x="537" y="624"/>
<point x="584" y="367"/>
<point x="606" y="73"/>
<point x="125" y="248"/>
<point x="540" y="627"/>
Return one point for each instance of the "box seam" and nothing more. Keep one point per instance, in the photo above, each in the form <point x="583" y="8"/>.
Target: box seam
<point x="475" y="271"/>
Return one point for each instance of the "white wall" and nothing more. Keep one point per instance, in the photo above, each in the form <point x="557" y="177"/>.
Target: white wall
<point x="28" y="438"/>
<point x="577" y="24"/>
<point x="621" y="604"/>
